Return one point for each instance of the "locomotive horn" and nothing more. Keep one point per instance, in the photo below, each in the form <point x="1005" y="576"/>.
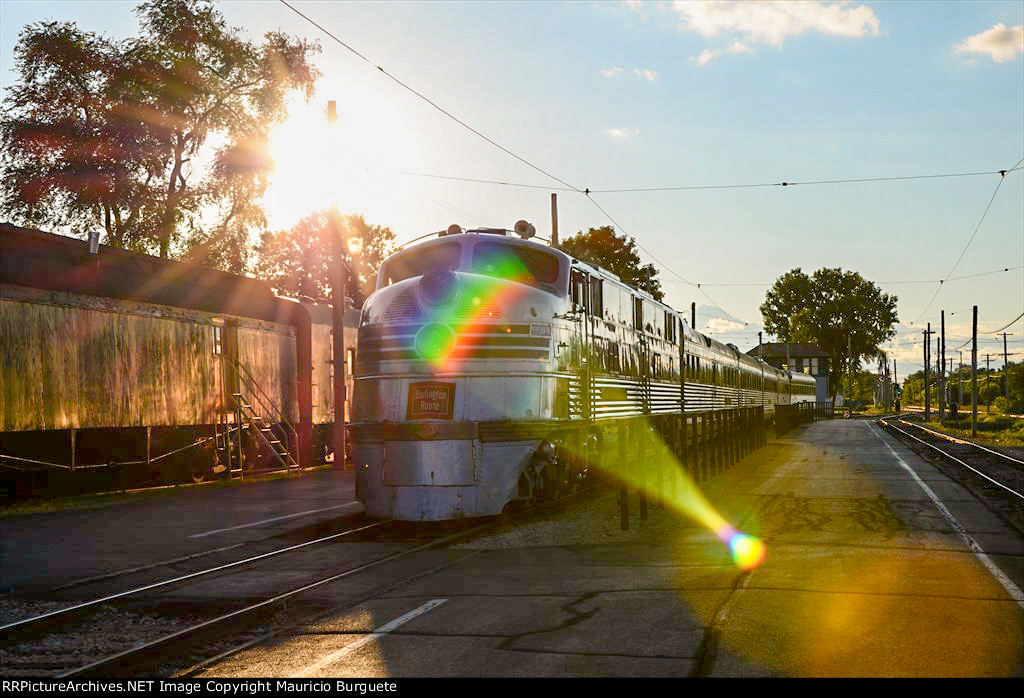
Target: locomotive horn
<point x="525" y="229"/>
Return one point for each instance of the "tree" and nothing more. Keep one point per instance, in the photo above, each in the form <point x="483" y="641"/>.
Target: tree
<point x="602" y="247"/>
<point x="111" y="134"/>
<point x="846" y="315"/>
<point x="297" y="262"/>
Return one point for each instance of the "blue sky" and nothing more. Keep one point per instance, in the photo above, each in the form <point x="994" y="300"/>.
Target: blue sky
<point x="607" y="95"/>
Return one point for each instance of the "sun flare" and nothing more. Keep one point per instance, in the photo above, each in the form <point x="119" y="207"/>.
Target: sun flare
<point x="318" y="165"/>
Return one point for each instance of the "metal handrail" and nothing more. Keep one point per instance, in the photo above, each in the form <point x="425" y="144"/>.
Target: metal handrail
<point x="262" y="397"/>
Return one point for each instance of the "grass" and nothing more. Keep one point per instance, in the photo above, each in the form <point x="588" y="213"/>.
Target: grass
<point x="1011" y="436"/>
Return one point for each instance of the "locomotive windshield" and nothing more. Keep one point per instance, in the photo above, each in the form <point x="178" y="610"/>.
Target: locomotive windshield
<point x="419" y="261"/>
<point x="515" y="263"/>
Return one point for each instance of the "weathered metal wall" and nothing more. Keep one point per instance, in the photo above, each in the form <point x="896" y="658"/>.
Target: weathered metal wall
<point x="76" y="361"/>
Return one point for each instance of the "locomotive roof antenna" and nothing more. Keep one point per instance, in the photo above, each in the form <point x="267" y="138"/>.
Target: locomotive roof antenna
<point x="525" y="229"/>
<point x="454" y="229"/>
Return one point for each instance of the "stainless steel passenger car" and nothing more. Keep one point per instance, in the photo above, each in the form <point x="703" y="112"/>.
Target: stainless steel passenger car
<point x="489" y="367"/>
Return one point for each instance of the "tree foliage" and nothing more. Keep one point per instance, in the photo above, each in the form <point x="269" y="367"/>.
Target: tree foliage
<point x="846" y="315"/>
<point x="146" y="137"/>
<point x="602" y="247"/>
<point x="297" y="262"/>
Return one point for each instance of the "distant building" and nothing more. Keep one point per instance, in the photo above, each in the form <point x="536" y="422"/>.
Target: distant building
<point x="802" y="358"/>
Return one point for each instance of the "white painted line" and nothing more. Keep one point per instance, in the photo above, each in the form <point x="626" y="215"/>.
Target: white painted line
<point x="352" y="507"/>
<point x="382" y="630"/>
<point x="1012" y="589"/>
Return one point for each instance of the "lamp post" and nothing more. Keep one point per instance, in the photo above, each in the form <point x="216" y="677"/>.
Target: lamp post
<point x="338" y="327"/>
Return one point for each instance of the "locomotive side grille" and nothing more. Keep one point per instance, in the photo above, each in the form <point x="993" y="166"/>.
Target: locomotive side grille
<point x="403" y="307"/>
<point x="477" y="306"/>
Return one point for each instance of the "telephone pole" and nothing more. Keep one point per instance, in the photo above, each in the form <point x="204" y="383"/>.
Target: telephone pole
<point x="554" y="220"/>
<point x="927" y="348"/>
<point x="974" y="374"/>
<point x="942" y="369"/>
<point x="960" y="376"/>
<point x="988" y="379"/>
<point x="1006" y="371"/>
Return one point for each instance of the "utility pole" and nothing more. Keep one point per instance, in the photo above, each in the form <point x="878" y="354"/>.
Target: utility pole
<point x="927" y="347"/>
<point x="960" y="376"/>
<point x="988" y="379"/>
<point x="895" y="381"/>
<point x="942" y="369"/>
<point x="1006" y="371"/>
<point x="974" y="374"/>
<point x="554" y="220"/>
<point x="338" y="274"/>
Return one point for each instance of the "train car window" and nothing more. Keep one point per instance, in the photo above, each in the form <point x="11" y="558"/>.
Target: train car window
<point x="523" y="264"/>
<point x="596" y="297"/>
<point x="638" y="313"/>
<point x="218" y="346"/>
<point x="613" y="357"/>
<point x="416" y="262"/>
<point x="670" y="327"/>
<point x="577" y="286"/>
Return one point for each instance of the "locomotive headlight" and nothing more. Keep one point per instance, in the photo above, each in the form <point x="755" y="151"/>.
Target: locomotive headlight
<point x="439" y="287"/>
<point x="434" y="341"/>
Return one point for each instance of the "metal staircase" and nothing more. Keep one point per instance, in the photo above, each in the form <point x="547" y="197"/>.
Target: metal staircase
<point x="274" y="439"/>
<point x="255" y="411"/>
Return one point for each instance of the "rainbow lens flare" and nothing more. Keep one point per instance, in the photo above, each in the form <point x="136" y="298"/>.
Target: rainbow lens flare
<point x="747" y="551"/>
<point x="434" y="342"/>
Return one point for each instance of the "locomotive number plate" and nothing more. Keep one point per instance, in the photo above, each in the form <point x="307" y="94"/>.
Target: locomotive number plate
<point x="431" y="400"/>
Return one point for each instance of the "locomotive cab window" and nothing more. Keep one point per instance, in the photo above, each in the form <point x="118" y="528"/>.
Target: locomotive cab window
<point x="522" y="264"/>
<point x="418" y="261"/>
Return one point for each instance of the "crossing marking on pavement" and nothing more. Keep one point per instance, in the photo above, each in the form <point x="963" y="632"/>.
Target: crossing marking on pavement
<point x="382" y="630"/>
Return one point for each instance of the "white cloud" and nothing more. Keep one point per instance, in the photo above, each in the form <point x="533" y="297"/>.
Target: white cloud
<point x="611" y="72"/>
<point x="773" y="22"/>
<point x="707" y="55"/>
<point x="645" y="73"/>
<point x="622" y="133"/>
<point x="1000" y="43"/>
<point x="717" y="325"/>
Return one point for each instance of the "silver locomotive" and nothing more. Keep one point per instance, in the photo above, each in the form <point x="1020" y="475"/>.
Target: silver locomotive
<point x="489" y="367"/>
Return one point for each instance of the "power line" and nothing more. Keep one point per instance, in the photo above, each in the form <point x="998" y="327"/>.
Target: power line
<point x="928" y="281"/>
<point x="794" y="184"/>
<point x="1009" y="323"/>
<point x="427" y="100"/>
<point x="1002" y="177"/>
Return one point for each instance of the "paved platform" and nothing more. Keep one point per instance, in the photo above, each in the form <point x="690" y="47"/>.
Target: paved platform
<point x="46" y="550"/>
<point x="864" y="576"/>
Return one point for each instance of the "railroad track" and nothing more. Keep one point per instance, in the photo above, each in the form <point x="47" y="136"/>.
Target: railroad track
<point x="995" y="478"/>
<point x="46" y="644"/>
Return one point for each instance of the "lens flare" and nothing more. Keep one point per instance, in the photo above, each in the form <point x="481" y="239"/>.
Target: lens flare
<point x="747" y="550"/>
<point x="434" y="341"/>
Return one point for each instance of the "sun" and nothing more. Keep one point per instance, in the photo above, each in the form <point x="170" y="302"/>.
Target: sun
<point x="319" y="165"/>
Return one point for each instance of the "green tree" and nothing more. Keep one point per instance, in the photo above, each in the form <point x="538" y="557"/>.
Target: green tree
<point x="846" y="315"/>
<point x="114" y="134"/>
<point x="602" y="247"/>
<point x="297" y="262"/>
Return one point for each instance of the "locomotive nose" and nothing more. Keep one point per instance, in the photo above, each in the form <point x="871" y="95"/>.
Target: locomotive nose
<point x="439" y="287"/>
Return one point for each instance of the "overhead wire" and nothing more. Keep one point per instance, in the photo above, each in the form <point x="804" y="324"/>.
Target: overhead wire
<point x="587" y="192"/>
<point x="790" y="184"/>
<point x="428" y="100"/>
<point x="1002" y="178"/>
